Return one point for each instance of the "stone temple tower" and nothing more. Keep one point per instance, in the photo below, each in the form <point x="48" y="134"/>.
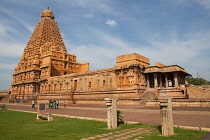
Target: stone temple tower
<point x="44" y="56"/>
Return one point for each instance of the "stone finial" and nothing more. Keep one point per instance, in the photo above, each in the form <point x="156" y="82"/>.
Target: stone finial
<point x="47" y="13"/>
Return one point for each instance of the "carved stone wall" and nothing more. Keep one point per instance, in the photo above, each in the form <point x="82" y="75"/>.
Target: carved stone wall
<point x="126" y="83"/>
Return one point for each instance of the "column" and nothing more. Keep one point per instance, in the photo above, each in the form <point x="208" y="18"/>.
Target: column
<point x="166" y="115"/>
<point x="176" y="84"/>
<point x="155" y="80"/>
<point x="111" y="104"/>
<point x="166" y="79"/>
<point x="148" y="80"/>
<point x="161" y="82"/>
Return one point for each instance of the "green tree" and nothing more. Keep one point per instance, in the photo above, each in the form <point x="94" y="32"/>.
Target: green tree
<point x="197" y="81"/>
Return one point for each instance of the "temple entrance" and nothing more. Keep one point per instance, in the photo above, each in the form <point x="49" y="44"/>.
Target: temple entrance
<point x="170" y="79"/>
<point x="75" y="85"/>
<point x="150" y="80"/>
<point x="163" y="80"/>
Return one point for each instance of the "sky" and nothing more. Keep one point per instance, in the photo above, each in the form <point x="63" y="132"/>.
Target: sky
<point x="172" y="32"/>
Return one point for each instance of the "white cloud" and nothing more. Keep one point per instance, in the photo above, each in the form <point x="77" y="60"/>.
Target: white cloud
<point x="7" y="66"/>
<point x="11" y="49"/>
<point x="18" y="17"/>
<point x="3" y="30"/>
<point x="111" y="23"/>
<point x="89" y="16"/>
<point x="205" y="3"/>
<point x="5" y="80"/>
<point x="171" y="51"/>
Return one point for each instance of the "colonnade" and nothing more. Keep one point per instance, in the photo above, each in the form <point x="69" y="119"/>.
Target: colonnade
<point x="165" y="80"/>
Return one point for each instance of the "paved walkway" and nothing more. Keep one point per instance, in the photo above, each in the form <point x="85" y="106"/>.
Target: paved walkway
<point x="132" y="133"/>
<point x="195" y="117"/>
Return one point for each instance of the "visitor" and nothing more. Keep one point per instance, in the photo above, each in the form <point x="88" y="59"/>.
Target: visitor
<point x="54" y="105"/>
<point x="33" y="104"/>
<point x="64" y="104"/>
<point x="49" y="104"/>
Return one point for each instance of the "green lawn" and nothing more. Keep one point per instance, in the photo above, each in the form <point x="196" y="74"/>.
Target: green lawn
<point x="19" y="125"/>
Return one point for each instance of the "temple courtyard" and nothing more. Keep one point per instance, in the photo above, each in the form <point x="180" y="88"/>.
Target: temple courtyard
<point x="194" y="117"/>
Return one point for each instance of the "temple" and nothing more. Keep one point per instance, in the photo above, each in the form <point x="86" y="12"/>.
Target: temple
<point x="46" y="71"/>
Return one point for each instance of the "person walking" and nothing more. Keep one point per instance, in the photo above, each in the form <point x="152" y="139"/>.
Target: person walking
<point x="54" y="105"/>
<point x="33" y="104"/>
<point x="64" y="104"/>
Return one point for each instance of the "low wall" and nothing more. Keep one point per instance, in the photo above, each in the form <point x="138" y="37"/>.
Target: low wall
<point x="183" y="103"/>
<point x="94" y="101"/>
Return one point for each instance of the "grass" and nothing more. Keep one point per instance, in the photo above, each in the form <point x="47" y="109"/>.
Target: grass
<point x="19" y="125"/>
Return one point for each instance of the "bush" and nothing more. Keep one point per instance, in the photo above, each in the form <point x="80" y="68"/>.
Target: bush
<point x="119" y="116"/>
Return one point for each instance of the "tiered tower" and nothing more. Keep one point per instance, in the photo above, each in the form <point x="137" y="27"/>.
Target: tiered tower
<point x="44" y="56"/>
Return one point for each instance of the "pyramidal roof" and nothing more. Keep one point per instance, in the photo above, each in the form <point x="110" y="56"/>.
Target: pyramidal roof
<point x="45" y="32"/>
<point x="45" y="37"/>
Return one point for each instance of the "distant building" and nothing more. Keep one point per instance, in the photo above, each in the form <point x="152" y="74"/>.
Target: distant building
<point x="48" y="71"/>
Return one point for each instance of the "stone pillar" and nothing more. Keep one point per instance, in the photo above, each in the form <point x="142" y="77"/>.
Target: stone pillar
<point x="148" y="84"/>
<point x="166" y="115"/>
<point x="155" y="80"/>
<point x="166" y="79"/>
<point x="176" y="84"/>
<point x="111" y="104"/>
<point x="161" y="81"/>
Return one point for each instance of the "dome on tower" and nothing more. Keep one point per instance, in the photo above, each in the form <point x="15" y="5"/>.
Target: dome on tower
<point x="47" y="13"/>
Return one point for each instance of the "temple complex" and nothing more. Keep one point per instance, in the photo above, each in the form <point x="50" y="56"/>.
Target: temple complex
<point x="46" y="71"/>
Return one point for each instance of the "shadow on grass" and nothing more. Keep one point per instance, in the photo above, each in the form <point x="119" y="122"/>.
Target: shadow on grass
<point x="159" y="128"/>
<point x="120" y="122"/>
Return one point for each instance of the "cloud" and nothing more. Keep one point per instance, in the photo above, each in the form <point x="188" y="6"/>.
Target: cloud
<point x="98" y="6"/>
<point x="89" y="16"/>
<point x="18" y="17"/>
<point x="11" y="49"/>
<point x="5" y="80"/>
<point x="205" y="3"/>
<point x="169" y="50"/>
<point x="111" y="23"/>
<point x="7" y="66"/>
<point x="4" y="30"/>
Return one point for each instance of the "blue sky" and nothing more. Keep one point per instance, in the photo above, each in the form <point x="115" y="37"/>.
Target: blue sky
<point x="173" y="32"/>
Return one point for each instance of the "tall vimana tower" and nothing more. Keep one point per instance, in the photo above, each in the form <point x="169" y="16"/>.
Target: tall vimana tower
<point x="44" y="56"/>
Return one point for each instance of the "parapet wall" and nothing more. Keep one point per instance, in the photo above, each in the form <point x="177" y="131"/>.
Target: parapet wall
<point x="134" y="58"/>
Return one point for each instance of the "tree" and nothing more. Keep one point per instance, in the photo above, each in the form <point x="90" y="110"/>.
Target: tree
<point x="197" y="81"/>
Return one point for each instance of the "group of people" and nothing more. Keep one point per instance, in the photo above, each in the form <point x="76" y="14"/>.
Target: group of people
<point x="53" y="104"/>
